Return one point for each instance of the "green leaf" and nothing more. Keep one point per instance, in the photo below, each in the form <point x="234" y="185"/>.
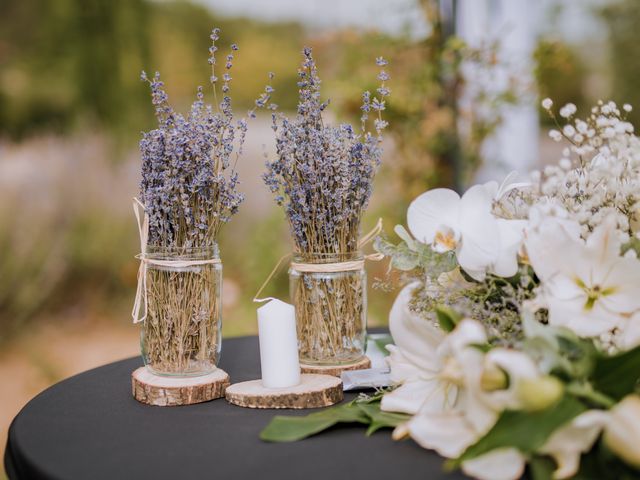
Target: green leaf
<point x="380" y="419"/>
<point x="617" y="376"/>
<point x="382" y="342"/>
<point x="558" y="349"/>
<point x="541" y="468"/>
<point x="402" y="257"/>
<point x="404" y="235"/>
<point x="526" y="431"/>
<point x="448" y="318"/>
<point x="290" y="429"/>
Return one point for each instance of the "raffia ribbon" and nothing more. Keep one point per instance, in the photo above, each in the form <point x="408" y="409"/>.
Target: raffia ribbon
<point x="141" y="300"/>
<point x="347" y="266"/>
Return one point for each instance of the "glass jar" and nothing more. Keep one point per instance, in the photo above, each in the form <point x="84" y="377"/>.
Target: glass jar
<point x="331" y="307"/>
<point x="181" y="335"/>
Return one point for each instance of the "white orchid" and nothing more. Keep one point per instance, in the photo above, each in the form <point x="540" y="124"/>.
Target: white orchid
<point x="586" y="285"/>
<point x="482" y="242"/>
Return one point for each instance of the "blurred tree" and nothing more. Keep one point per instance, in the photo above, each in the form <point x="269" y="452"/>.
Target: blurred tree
<point x="622" y="19"/>
<point x="559" y="74"/>
<point x="76" y="63"/>
<point x="423" y="110"/>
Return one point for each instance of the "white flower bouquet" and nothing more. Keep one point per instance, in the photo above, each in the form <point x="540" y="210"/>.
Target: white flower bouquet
<point x="517" y="335"/>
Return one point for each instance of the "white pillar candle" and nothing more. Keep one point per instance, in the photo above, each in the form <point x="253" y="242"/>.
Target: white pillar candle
<point x="278" y="345"/>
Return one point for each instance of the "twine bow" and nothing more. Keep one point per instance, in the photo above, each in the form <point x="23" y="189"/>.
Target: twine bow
<point x="333" y="267"/>
<point x="142" y="220"/>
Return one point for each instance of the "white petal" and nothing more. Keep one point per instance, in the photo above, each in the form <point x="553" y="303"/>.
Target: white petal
<point x="585" y="323"/>
<point x="480" y="242"/>
<point x="548" y="244"/>
<point x="446" y="433"/>
<point x="604" y="242"/>
<point x="500" y="464"/>
<point x="511" y="236"/>
<point x="518" y="366"/>
<point x="431" y="210"/>
<point x="414" y="336"/>
<point x="630" y="333"/>
<point x="467" y="332"/>
<point x="402" y="369"/>
<point x="420" y="395"/>
<point x="568" y="443"/>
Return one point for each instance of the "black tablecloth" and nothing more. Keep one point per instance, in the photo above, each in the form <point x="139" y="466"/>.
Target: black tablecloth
<point x="90" y="427"/>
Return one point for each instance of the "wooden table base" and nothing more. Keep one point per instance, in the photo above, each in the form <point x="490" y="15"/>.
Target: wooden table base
<point x="170" y="391"/>
<point x="314" y="391"/>
<point x="336" y="370"/>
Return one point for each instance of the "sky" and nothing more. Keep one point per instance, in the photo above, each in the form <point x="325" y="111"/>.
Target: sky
<point x="390" y="16"/>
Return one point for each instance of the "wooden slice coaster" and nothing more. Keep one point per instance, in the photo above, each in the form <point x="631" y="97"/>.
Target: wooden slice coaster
<point x="314" y="391"/>
<point x="169" y="391"/>
<point x="336" y="370"/>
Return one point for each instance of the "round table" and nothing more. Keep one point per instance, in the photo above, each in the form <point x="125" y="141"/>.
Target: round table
<point x="90" y="427"/>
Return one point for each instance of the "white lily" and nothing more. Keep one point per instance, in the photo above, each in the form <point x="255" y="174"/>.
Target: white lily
<point x="413" y="360"/>
<point x="622" y="431"/>
<point x="443" y="382"/>
<point x="446" y="221"/>
<point x="569" y="442"/>
<point x="587" y="286"/>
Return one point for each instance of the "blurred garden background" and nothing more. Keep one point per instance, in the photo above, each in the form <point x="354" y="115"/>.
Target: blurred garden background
<point x="72" y="107"/>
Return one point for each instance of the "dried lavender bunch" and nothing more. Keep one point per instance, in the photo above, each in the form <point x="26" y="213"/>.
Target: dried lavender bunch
<point x="189" y="190"/>
<point x="323" y="174"/>
<point x="189" y="186"/>
<point x="323" y="178"/>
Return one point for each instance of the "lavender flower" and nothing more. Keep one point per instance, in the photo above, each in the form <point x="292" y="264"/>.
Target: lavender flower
<point x="323" y="175"/>
<point x="188" y="187"/>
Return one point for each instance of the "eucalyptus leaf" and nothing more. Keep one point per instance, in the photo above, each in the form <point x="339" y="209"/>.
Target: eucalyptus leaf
<point x="406" y="237"/>
<point x="526" y="431"/>
<point x="402" y="257"/>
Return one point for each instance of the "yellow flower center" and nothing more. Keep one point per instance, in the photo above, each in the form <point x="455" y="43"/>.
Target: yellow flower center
<point x="445" y="240"/>
<point x="594" y="293"/>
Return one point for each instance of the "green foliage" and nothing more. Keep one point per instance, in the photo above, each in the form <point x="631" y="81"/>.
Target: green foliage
<point x="526" y="431"/>
<point x="410" y="254"/>
<point x="559" y="74"/>
<point x="448" y="318"/>
<point x="367" y="411"/>
<point x="73" y="63"/>
<point x="619" y="375"/>
<point x="382" y="341"/>
<point x="541" y="467"/>
<point x="622" y="18"/>
<point x="558" y="349"/>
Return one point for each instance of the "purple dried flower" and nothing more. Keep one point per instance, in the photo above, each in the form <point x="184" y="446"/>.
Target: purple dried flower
<point x="323" y="174"/>
<point x="188" y="188"/>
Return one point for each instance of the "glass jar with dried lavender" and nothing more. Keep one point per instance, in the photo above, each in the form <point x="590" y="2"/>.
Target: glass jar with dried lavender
<point x="188" y="191"/>
<point x="329" y="292"/>
<point x="323" y="178"/>
<point x="181" y="334"/>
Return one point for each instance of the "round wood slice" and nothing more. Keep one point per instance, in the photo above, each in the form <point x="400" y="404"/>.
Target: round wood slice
<point x="169" y="391"/>
<point x="314" y="391"/>
<point x="336" y="370"/>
